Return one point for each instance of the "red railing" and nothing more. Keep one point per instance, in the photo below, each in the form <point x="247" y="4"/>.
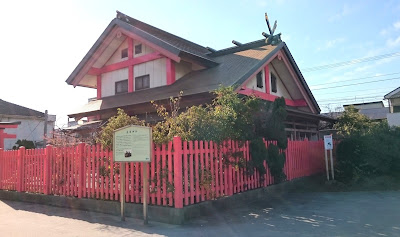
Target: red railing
<point x="181" y="172"/>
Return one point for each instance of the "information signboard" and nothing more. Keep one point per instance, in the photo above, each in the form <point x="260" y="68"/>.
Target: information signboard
<point x="132" y="144"/>
<point x="328" y="142"/>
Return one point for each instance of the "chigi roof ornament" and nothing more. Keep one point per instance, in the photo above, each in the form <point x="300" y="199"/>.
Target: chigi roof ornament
<point x="271" y="38"/>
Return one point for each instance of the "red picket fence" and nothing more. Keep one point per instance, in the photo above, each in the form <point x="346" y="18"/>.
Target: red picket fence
<point x="180" y="174"/>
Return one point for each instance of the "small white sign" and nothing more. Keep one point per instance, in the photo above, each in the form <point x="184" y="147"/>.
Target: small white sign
<point x="132" y="144"/>
<point x="328" y="142"/>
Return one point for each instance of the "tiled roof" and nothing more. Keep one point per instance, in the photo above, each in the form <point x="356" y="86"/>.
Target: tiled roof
<point x="393" y="94"/>
<point x="178" y="42"/>
<point x="232" y="67"/>
<point x="7" y="108"/>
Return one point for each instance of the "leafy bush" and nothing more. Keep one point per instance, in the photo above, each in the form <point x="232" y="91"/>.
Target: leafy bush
<point x="373" y="154"/>
<point x="259" y="154"/>
<point x="228" y="117"/>
<point x="351" y="122"/>
<point x="276" y="162"/>
<point x="115" y="122"/>
<point x="25" y="143"/>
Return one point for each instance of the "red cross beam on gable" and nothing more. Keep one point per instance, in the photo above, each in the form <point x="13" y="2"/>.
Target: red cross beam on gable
<point x="3" y="135"/>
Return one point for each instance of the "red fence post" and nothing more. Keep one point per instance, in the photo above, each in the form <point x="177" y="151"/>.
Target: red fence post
<point x="178" y="193"/>
<point x="81" y="168"/>
<point x="47" y="165"/>
<point x="1" y="168"/>
<point x="20" y="168"/>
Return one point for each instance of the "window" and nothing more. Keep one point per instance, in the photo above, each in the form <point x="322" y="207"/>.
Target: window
<point x="138" y="49"/>
<point x="273" y="83"/>
<point x="124" y="53"/>
<point x="259" y="80"/>
<point x="142" y="82"/>
<point x="396" y="109"/>
<point x="121" y="87"/>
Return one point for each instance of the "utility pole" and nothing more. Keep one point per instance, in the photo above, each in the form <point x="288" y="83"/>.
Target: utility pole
<point x="46" y="115"/>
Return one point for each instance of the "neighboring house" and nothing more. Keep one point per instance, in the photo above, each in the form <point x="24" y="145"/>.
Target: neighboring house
<point x="133" y="63"/>
<point x="29" y="124"/>
<point x="373" y="110"/>
<point x="393" y="115"/>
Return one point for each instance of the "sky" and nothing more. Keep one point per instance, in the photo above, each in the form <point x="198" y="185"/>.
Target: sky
<point x="43" y="41"/>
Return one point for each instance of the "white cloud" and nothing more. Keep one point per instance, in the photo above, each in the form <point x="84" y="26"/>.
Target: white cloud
<point x="393" y="42"/>
<point x="396" y="25"/>
<point x="331" y="43"/>
<point x="286" y="37"/>
<point x="346" y="10"/>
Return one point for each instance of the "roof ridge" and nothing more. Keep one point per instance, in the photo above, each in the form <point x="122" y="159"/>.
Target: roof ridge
<point x="129" y="18"/>
<point x="387" y="95"/>
<point x="21" y="107"/>
<point x="234" y="49"/>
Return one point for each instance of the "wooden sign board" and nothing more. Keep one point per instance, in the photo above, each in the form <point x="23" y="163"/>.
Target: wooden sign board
<point x="132" y="144"/>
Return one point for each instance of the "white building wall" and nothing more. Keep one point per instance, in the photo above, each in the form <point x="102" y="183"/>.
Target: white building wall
<point x="108" y="80"/>
<point x="181" y="69"/>
<point x="393" y="119"/>
<point x="156" y="69"/>
<point x="145" y="49"/>
<point x="252" y="84"/>
<point x="30" y="129"/>
<point x="116" y="57"/>
<point x="281" y="90"/>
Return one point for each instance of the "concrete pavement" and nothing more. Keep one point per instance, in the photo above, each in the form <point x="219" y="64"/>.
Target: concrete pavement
<point x="296" y="214"/>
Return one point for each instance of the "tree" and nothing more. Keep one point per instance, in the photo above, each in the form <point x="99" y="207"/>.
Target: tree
<point x="115" y="122"/>
<point x="351" y="122"/>
<point x="25" y="143"/>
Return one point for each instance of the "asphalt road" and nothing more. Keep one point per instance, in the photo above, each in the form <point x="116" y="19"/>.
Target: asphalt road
<point x="297" y="214"/>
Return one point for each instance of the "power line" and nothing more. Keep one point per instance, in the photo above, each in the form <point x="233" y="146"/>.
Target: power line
<point x="351" y="62"/>
<point x="350" y="98"/>
<point x="360" y="83"/>
<point x="357" y="79"/>
<point x="343" y="92"/>
<point x="373" y="98"/>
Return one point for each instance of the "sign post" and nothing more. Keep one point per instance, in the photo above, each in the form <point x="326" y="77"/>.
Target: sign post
<point x="133" y="144"/>
<point x="328" y="145"/>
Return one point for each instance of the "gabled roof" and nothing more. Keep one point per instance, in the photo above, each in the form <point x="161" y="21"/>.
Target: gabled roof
<point x="393" y="94"/>
<point x="7" y="108"/>
<point x="228" y="67"/>
<point x="235" y="66"/>
<point x="176" y="46"/>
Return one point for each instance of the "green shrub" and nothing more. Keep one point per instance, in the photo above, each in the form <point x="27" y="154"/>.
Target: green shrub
<point x="115" y="122"/>
<point x="372" y="154"/>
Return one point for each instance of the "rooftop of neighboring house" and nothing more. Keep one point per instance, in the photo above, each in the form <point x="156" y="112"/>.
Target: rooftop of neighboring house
<point x="393" y="94"/>
<point x="368" y="105"/>
<point x="373" y="110"/>
<point x="11" y="109"/>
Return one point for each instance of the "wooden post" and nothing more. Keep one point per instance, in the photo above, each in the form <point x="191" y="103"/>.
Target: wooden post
<point x="122" y="187"/>
<point x="178" y="172"/>
<point x="1" y="168"/>
<point x="332" y="170"/>
<point x="81" y="159"/>
<point x="20" y="168"/>
<point x="326" y="164"/>
<point x="46" y="117"/>
<point x="145" y="191"/>
<point x="47" y="165"/>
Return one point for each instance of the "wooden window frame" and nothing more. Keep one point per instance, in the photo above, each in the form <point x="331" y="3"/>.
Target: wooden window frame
<point x="137" y="87"/>
<point x="124" y="53"/>
<point x="138" y="46"/>
<point x="259" y="80"/>
<point x="120" y="82"/>
<point x="274" y="86"/>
